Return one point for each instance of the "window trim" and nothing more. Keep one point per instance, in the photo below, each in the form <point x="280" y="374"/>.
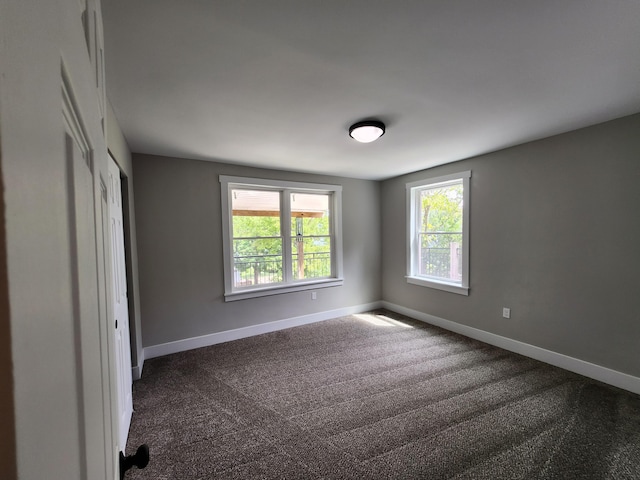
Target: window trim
<point x="413" y="220"/>
<point x="232" y="293"/>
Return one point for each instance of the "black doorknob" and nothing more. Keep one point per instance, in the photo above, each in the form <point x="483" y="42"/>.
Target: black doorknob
<point x="140" y="459"/>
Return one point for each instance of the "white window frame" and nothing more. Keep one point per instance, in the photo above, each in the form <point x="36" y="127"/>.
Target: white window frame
<point x="413" y="239"/>
<point x="232" y="293"/>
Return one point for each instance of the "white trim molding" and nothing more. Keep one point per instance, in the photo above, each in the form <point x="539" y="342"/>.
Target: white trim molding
<point x="136" y="370"/>
<point x="244" y="332"/>
<point x="591" y="370"/>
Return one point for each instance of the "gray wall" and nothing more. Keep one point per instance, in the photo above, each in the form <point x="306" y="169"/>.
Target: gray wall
<point x="555" y="236"/>
<point x="178" y="221"/>
<point x="120" y="152"/>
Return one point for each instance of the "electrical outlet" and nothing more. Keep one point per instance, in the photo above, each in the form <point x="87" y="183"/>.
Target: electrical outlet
<point x="314" y="295"/>
<point x="506" y="312"/>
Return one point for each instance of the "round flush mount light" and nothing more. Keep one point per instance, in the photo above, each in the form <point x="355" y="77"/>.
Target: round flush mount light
<point x="366" y="131"/>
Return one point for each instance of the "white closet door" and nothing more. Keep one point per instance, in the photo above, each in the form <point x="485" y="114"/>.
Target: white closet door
<point x="120" y="304"/>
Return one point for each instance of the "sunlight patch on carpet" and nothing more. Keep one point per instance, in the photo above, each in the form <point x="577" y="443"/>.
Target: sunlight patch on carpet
<point x="381" y="320"/>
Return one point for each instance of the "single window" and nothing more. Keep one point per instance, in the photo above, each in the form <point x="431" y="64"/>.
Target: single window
<point x="438" y="233"/>
<point x="279" y="236"/>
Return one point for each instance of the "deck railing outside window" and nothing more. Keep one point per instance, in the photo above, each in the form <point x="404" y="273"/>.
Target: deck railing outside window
<point x="315" y="265"/>
<point x="440" y="255"/>
<point x="264" y="269"/>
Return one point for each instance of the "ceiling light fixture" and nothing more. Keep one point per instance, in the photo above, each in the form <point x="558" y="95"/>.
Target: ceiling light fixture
<point x="366" y="131"/>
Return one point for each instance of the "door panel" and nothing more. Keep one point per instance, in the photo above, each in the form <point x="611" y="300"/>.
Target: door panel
<point x="86" y="309"/>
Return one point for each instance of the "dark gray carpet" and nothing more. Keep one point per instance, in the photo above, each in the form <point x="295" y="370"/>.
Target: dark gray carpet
<point x="365" y="397"/>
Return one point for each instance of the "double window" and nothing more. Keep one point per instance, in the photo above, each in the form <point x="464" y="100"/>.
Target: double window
<point x="438" y="233"/>
<point x="279" y="236"/>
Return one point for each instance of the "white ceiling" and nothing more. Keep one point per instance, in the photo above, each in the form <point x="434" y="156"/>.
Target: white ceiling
<point x="276" y="84"/>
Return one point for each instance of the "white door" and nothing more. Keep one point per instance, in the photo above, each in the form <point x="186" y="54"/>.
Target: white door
<point x="120" y="304"/>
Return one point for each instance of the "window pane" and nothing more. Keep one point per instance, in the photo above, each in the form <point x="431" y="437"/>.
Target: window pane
<point x="442" y="209"/>
<point x="309" y="214"/>
<point x="256" y="213"/>
<point x="441" y="256"/>
<point x="311" y="257"/>
<point x="441" y="232"/>
<point x="257" y="246"/>
<point x="257" y="261"/>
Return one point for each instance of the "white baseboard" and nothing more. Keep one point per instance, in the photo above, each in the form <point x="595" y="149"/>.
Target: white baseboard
<point x="136" y="370"/>
<point x="238" y="333"/>
<point x="591" y="370"/>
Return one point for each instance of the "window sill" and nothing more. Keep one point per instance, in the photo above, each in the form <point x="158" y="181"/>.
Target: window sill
<point x="280" y="289"/>
<point x="447" y="287"/>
